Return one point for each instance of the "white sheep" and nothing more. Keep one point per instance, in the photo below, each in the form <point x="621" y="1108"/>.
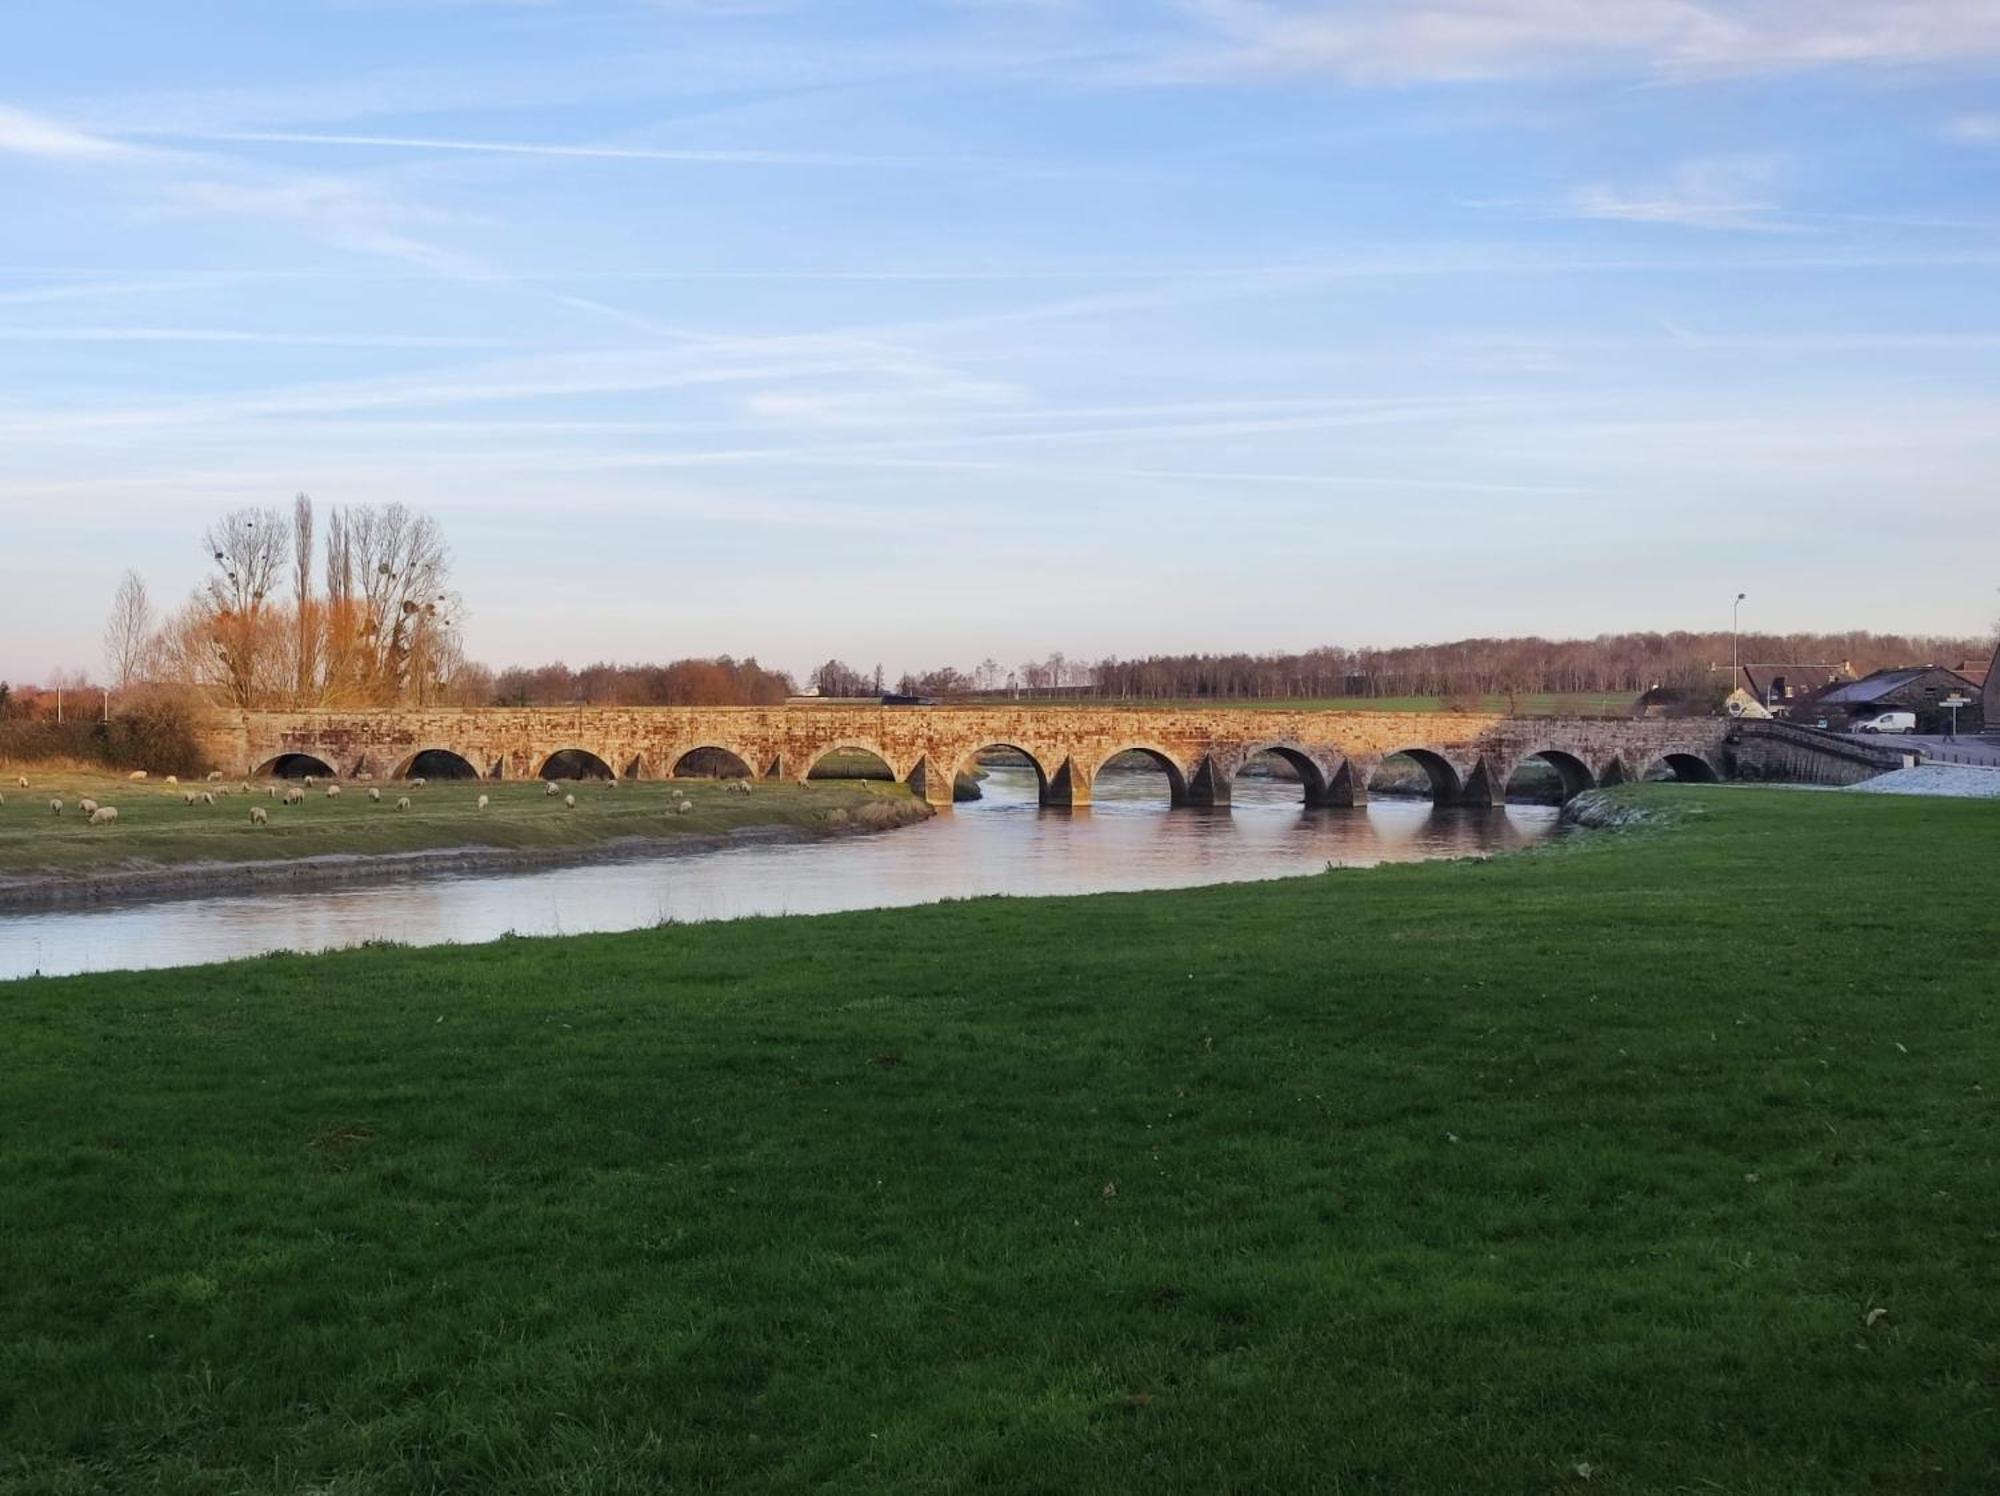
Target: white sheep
<point x="403" y="803"/>
<point x="136" y="775"/>
<point x="207" y="798"/>
<point x="673" y="794"/>
<point x="295" y="796"/>
<point x="484" y="802"/>
<point x="417" y="784"/>
<point x="215" y="776"/>
<point x="173" y="779"/>
<point x="569" y="802"/>
<point x="611" y="784"/>
<point x="683" y="807"/>
<point x="259" y="816"/>
<point x="549" y="787"/>
<point x="88" y="807"/>
<point x="271" y="790"/>
<point x="104" y="815"/>
<point x="309" y="781"/>
<point x="246" y="786"/>
<point x="187" y="797"/>
<point x="374" y="795"/>
<point x="20" y="781"/>
<point x="333" y="792"/>
<point x="55" y="807"/>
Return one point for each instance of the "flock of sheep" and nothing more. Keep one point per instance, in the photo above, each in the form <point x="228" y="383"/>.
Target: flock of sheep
<point x="295" y="794"/>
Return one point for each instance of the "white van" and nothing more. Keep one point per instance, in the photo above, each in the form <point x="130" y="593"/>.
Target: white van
<point x="1888" y="722"/>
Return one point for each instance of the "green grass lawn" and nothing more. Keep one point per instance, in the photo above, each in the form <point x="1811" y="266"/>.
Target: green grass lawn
<point x="1659" y="1160"/>
<point x="156" y="828"/>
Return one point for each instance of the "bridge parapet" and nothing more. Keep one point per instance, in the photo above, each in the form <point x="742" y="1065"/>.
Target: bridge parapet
<point x="1469" y="755"/>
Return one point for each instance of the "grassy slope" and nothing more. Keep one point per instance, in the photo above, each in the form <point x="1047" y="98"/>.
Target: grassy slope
<point x="155" y="827"/>
<point x="1424" y="1178"/>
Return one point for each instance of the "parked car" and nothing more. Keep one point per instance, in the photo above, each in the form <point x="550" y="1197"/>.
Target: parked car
<point x="1888" y="722"/>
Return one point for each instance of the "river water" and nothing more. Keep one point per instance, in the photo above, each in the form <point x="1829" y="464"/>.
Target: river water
<point x="1002" y="844"/>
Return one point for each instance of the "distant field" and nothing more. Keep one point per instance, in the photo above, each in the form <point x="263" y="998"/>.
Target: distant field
<point x="1547" y="704"/>
<point x="156" y="828"/>
<point x="1657" y="1161"/>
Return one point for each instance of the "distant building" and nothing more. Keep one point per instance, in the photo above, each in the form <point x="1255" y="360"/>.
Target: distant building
<point x="1784" y="690"/>
<point x="1922" y="689"/>
<point x="1992" y="685"/>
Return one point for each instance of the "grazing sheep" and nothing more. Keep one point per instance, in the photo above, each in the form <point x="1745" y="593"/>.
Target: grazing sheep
<point x="404" y="803"/>
<point x="88" y="807"/>
<point x="207" y="798"/>
<point x="55" y="807"/>
<point x="135" y="776"/>
<point x="569" y="802"/>
<point x="548" y="787"/>
<point x="104" y="815"/>
<point x="271" y="790"/>
<point x="374" y="796"/>
<point x="683" y="807"/>
<point x="187" y="797"/>
<point x="295" y="796"/>
<point x="333" y="792"/>
<point x="215" y="776"/>
<point x="673" y="794"/>
<point x="20" y="781"/>
<point x="484" y="802"/>
<point x="259" y="816"/>
<point x="173" y="779"/>
<point x="246" y="786"/>
<point x="611" y="784"/>
<point x="309" y="781"/>
<point x="417" y="784"/>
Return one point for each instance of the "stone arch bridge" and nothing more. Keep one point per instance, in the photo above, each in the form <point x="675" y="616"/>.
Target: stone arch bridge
<point x="1468" y="756"/>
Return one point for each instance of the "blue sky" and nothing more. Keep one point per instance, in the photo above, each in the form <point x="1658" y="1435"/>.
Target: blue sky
<point x="921" y="332"/>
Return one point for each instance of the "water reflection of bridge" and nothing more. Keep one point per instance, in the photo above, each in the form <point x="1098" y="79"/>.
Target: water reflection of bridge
<point x="1467" y="756"/>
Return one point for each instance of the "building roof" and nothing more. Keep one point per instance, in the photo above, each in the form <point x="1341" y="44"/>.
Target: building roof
<point x="1798" y="681"/>
<point x="1872" y="688"/>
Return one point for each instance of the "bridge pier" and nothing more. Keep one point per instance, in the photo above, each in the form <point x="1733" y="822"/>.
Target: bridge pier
<point x="1208" y="786"/>
<point x="1482" y="789"/>
<point x="1068" y="788"/>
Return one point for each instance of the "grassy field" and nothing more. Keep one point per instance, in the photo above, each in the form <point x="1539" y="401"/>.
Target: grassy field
<point x="156" y="828"/>
<point x="1659" y="1160"/>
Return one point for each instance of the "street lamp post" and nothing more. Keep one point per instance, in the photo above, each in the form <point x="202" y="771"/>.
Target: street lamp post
<point x="1735" y="670"/>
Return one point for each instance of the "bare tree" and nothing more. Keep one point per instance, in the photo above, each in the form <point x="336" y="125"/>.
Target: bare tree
<point x="128" y="637"/>
<point x="406" y="638"/>
<point x="247" y="549"/>
<point x="306" y="620"/>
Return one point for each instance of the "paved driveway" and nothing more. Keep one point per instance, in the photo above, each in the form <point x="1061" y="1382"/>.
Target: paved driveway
<point x="1984" y="751"/>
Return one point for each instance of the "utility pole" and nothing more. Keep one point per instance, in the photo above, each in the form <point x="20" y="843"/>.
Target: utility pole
<point x="1735" y="670"/>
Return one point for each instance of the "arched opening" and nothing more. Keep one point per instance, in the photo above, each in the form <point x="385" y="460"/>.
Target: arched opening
<point x="850" y="761"/>
<point x="1001" y="774"/>
<point x="437" y="763"/>
<point x="1273" y="769"/>
<point x="1415" y="774"/>
<point x="1138" y="775"/>
<point x="575" y="763"/>
<point x="1550" y="777"/>
<point x="1688" y="768"/>
<point x="710" y="763"/>
<point x="296" y="766"/>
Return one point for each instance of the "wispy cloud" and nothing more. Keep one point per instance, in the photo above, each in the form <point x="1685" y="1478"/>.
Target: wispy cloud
<point x="587" y="152"/>
<point x="1975" y="129"/>
<point x="39" y="138"/>
<point x="1718" y="193"/>
<point x="1455" y="40"/>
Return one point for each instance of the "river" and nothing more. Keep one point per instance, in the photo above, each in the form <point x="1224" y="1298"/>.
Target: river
<point x="1002" y="844"/>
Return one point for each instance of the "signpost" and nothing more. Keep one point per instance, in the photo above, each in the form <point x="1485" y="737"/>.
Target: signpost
<point x="1955" y="701"/>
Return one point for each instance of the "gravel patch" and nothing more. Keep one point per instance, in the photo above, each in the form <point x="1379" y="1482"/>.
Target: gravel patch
<point x="1956" y="781"/>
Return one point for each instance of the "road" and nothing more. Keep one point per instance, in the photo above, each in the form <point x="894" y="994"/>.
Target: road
<point x="1980" y="750"/>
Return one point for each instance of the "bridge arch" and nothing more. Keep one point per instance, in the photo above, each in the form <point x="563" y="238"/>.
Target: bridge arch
<point x="574" y="763"/>
<point x="1689" y="768"/>
<point x="859" y="748"/>
<point x="1447" y="784"/>
<point x="1314" y="774"/>
<point x="437" y="763"/>
<point x="710" y="761"/>
<point x="1573" y="775"/>
<point x="1177" y="778"/>
<point x="967" y="762"/>
<point x="295" y="765"/>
